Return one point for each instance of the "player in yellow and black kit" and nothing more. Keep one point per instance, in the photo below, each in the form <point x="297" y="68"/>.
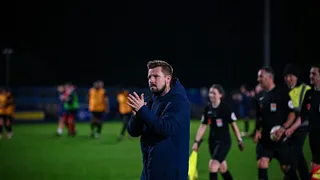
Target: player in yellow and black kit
<point x="6" y="112"/>
<point x="98" y="106"/>
<point x="124" y="110"/>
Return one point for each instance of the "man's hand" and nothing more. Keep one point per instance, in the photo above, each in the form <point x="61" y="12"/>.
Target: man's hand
<point x="241" y="145"/>
<point x="257" y="137"/>
<point x="289" y="132"/>
<point x="279" y="133"/>
<point x="135" y="101"/>
<point x="195" y="146"/>
<point x="134" y="113"/>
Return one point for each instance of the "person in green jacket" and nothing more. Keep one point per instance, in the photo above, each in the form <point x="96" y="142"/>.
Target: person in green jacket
<point x="71" y="106"/>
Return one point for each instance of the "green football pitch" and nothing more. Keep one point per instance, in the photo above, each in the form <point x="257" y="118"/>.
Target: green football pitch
<point x="35" y="154"/>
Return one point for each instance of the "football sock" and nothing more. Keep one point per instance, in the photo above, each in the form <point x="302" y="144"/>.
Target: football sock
<point x="227" y="175"/>
<point x="213" y="176"/>
<point x="263" y="174"/>
<point x="99" y="128"/>
<point x="246" y="126"/>
<point x="9" y="128"/>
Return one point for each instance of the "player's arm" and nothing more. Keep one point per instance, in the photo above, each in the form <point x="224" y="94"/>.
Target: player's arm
<point x="202" y="128"/>
<point x="258" y="116"/>
<point x="302" y="115"/>
<point x="232" y="118"/>
<point x="257" y="133"/>
<point x="135" y="126"/>
<point x="296" y="123"/>
<point x="170" y="121"/>
<point x="289" y="108"/>
<point x="235" y="128"/>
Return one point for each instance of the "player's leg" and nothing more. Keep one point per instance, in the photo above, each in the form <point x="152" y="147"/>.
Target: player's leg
<point x="283" y="153"/>
<point x="294" y="152"/>
<point x="246" y="124"/>
<point x="61" y="124"/>
<point x="99" y="121"/>
<point x="264" y="154"/>
<point x="8" y="124"/>
<point x="218" y="155"/>
<point x="1" y="126"/>
<point x="93" y="123"/>
<point x="213" y="164"/>
<point x="123" y="129"/>
<point x="71" y="122"/>
<point x="303" y="168"/>
<point x="301" y="165"/>
<point x="221" y="156"/>
<point x="213" y="169"/>
<point x="223" y="169"/>
<point x="125" y="120"/>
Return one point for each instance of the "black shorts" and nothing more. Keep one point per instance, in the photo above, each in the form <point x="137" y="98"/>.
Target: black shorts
<point x="69" y="114"/>
<point x="315" y="147"/>
<point x="97" y="115"/>
<point x="3" y="117"/>
<point x="279" y="151"/>
<point x="219" y="151"/>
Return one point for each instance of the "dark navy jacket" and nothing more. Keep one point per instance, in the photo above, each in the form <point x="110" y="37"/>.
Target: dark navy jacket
<point x="164" y="127"/>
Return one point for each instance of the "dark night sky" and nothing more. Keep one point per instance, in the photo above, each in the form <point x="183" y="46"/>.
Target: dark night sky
<point x="206" y="42"/>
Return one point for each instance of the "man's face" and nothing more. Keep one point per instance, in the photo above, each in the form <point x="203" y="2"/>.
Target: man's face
<point x="290" y="79"/>
<point x="214" y="95"/>
<point x="242" y="89"/>
<point x="99" y="84"/>
<point x="60" y="89"/>
<point x="158" y="81"/>
<point x="314" y="76"/>
<point x="263" y="78"/>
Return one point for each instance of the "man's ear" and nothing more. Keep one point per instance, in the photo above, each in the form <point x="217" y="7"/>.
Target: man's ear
<point x="168" y="78"/>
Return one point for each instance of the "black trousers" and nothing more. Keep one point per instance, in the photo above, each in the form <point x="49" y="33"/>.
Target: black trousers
<point x="297" y="159"/>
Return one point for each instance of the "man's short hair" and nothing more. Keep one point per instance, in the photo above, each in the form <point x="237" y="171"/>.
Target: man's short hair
<point x="166" y="67"/>
<point x="268" y="70"/>
<point x="316" y="66"/>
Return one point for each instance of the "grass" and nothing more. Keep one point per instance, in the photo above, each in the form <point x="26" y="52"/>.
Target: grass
<point x="35" y="154"/>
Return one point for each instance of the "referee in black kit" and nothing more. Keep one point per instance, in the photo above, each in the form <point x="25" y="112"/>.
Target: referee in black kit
<point x="311" y="110"/>
<point x="275" y="109"/>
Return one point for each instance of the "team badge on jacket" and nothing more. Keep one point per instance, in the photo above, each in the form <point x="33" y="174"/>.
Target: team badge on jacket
<point x="273" y="107"/>
<point x="219" y="122"/>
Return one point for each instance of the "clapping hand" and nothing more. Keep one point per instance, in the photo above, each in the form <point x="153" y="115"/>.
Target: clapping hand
<point x="135" y="101"/>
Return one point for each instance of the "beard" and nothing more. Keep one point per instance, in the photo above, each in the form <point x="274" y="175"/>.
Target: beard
<point x="312" y="81"/>
<point x="157" y="91"/>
